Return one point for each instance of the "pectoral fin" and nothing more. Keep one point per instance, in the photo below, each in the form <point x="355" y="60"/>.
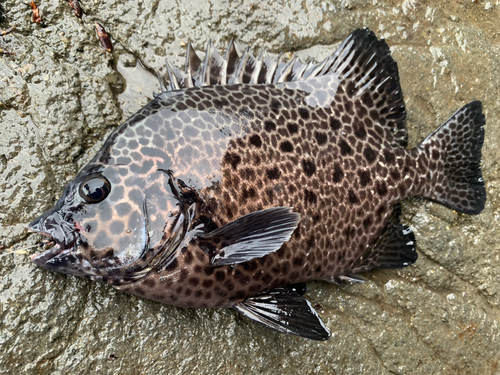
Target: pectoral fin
<point x="251" y="236"/>
<point x="286" y="311"/>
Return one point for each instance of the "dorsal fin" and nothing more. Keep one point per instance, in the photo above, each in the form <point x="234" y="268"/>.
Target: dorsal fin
<point x="214" y="68"/>
<point x="177" y="79"/>
<point x="362" y="64"/>
<point x="231" y="58"/>
<point x="193" y="67"/>
<point x="233" y="69"/>
<point x="161" y="81"/>
<point x="367" y="71"/>
<point x="238" y="76"/>
<point x="286" y="74"/>
<point x="258" y="69"/>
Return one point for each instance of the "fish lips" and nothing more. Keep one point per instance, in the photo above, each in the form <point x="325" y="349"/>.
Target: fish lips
<point x="47" y="257"/>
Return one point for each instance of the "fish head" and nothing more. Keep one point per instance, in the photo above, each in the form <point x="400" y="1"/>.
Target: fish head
<point x="109" y="224"/>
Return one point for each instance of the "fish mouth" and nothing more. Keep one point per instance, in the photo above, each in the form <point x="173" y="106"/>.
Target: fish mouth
<point x="50" y="254"/>
<point x="60" y="231"/>
<point x="46" y="255"/>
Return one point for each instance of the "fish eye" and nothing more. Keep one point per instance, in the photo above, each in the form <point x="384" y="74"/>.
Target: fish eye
<point x="95" y="189"/>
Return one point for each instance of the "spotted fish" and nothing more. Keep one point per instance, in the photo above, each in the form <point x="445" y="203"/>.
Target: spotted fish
<point x="248" y="176"/>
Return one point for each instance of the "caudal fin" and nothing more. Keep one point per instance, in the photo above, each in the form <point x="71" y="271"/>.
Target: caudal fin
<point x="453" y="156"/>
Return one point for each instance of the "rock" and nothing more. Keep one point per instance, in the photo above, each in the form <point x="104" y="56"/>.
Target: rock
<point x="60" y="97"/>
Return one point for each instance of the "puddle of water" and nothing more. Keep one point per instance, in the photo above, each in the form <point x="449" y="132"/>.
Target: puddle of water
<point x="140" y="85"/>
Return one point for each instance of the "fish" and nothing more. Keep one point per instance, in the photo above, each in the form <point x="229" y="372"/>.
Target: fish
<point x="248" y="176"/>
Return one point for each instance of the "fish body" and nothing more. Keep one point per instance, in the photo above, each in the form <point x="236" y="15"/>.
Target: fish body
<point x="246" y="177"/>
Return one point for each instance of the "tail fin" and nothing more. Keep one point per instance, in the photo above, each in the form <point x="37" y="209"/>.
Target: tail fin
<point x="453" y="156"/>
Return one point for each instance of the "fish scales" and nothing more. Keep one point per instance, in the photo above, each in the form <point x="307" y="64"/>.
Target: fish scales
<point x="246" y="176"/>
<point x="269" y="167"/>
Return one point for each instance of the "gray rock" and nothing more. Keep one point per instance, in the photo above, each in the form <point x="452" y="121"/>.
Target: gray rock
<point x="60" y="94"/>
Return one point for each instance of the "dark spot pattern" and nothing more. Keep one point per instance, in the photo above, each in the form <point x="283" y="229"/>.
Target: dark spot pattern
<point x="304" y="113"/>
<point x="332" y="149"/>
<point x="255" y="140"/>
<point x="232" y="159"/>
<point x="335" y="124"/>
<point x="269" y="126"/>
<point x="286" y="146"/>
<point x="293" y="128"/>
<point x="338" y="173"/>
<point x="353" y="199"/>
<point x="364" y="177"/>
<point x="309" y="167"/>
<point x="273" y="173"/>
<point x="369" y="155"/>
<point x="345" y="149"/>
<point x="321" y="138"/>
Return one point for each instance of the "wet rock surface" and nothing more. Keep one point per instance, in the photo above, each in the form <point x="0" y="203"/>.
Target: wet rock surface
<point x="60" y="94"/>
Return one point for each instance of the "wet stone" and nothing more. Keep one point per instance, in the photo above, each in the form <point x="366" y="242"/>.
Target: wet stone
<point x="59" y="97"/>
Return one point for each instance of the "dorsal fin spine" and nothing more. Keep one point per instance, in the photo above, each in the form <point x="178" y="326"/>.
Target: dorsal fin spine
<point x="287" y="71"/>
<point x="345" y="64"/>
<point x="267" y="69"/>
<point x="207" y="64"/>
<point x="174" y="82"/>
<point x="301" y="68"/>
<point x="231" y="58"/>
<point x="240" y="69"/>
<point x="364" y="87"/>
<point x="257" y="68"/>
<point x="220" y="69"/>
<point x="316" y="71"/>
<point x="280" y="67"/>
<point x="161" y="81"/>
<point x="272" y="68"/>
<point x="193" y="63"/>
<point x="307" y="70"/>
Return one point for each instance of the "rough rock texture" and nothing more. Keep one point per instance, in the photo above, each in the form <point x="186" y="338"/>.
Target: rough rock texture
<point x="60" y="94"/>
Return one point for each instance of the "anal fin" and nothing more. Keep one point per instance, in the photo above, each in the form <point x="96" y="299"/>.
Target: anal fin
<point x="395" y="248"/>
<point x="285" y="310"/>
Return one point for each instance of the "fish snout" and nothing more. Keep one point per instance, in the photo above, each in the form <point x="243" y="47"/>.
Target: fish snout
<point x="52" y="224"/>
